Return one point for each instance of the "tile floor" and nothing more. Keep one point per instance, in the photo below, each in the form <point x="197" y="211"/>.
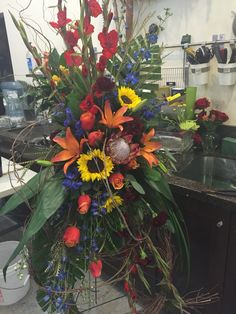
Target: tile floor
<point x="28" y="304"/>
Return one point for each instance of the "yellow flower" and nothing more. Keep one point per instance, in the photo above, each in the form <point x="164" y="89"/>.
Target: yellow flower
<point x="56" y="79"/>
<point x="113" y="202"/>
<point x="189" y="125"/>
<point x="64" y="70"/>
<point x="128" y="97"/>
<point x="94" y="165"/>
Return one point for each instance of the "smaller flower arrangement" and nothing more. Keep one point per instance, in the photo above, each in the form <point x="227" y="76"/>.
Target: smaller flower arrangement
<point x="208" y="120"/>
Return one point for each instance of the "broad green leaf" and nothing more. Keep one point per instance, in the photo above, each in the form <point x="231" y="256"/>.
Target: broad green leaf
<point x="54" y="58"/>
<point x="48" y="201"/>
<point x="152" y="174"/>
<point x="27" y="191"/>
<point x="135" y="184"/>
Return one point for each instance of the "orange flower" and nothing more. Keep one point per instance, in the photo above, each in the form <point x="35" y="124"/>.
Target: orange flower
<point x="149" y="147"/>
<point x="117" y="180"/>
<point x="96" y="268"/>
<point x="84" y="202"/>
<point x="71" y="236"/>
<point x="95" y="136"/>
<point x="72" y="149"/>
<point x="87" y="120"/>
<point x="133" y="164"/>
<point x="115" y="120"/>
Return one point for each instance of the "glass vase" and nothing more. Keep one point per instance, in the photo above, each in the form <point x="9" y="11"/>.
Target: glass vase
<point x="209" y="142"/>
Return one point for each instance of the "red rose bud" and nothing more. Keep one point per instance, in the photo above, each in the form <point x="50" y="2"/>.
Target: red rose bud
<point x="87" y="120"/>
<point x="71" y="236"/>
<point x="202" y="103"/>
<point x="84" y="203"/>
<point x="95" y="136"/>
<point x="160" y="219"/>
<point x="117" y="180"/>
<point x="96" y="268"/>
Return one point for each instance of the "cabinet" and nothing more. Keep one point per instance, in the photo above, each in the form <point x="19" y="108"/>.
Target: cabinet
<point x="210" y="236"/>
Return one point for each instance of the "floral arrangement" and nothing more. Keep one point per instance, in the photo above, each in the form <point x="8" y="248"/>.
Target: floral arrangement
<point x="101" y="195"/>
<point x="208" y="121"/>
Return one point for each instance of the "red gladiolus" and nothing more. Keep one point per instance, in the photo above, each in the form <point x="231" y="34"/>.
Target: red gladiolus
<point x="87" y="120"/>
<point x="61" y="20"/>
<point x="109" y="42"/>
<point x="94" y="8"/>
<point x="84" y="203"/>
<point x="117" y="180"/>
<point x="71" y="236"/>
<point x="84" y="70"/>
<point x="71" y="38"/>
<point x="95" y="136"/>
<point x="96" y="268"/>
<point x="101" y="65"/>
<point x="202" y="103"/>
<point x="88" y="28"/>
<point x="72" y="59"/>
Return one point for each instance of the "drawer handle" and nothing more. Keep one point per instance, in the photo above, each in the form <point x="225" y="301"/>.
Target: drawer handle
<point x="219" y="224"/>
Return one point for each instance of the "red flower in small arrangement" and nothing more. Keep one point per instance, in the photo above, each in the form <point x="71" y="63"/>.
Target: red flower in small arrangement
<point x="95" y="137"/>
<point x="71" y="236"/>
<point x="94" y="8"/>
<point x="87" y="120"/>
<point x="84" y="203"/>
<point x="216" y="115"/>
<point x="202" y="103"/>
<point x="62" y="20"/>
<point x="117" y="180"/>
<point x="96" y="268"/>
<point x="108" y="42"/>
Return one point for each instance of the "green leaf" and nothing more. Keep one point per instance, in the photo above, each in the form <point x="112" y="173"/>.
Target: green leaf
<point x="54" y="59"/>
<point x="135" y="184"/>
<point x="27" y="191"/>
<point x="152" y="174"/>
<point x="48" y="201"/>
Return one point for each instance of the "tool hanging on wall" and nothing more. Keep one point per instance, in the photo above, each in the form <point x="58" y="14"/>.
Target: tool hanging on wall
<point x="234" y="24"/>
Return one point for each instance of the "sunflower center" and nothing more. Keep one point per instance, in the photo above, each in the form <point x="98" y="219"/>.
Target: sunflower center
<point x="126" y="99"/>
<point x="95" y="165"/>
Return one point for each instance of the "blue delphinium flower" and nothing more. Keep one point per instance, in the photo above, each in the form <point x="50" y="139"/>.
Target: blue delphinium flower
<point x="147" y="54"/>
<point x="152" y="38"/>
<point x="79" y="248"/>
<point x="69" y="117"/>
<point x="136" y="54"/>
<point x="78" y="130"/>
<point x="132" y="78"/>
<point x="148" y="114"/>
<point x="129" y="66"/>
<point x="69" y="181"/>
<point x="61" y="275"/>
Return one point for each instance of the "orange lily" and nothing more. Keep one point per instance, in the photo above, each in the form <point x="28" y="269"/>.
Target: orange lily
<point x="149" y="147"/>
<point x="115" y="120"/>
<point x="72" y="149"/>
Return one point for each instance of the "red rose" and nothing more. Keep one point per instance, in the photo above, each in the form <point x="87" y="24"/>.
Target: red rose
<point x="87" y="120"/>
<point x="94" y="8"/>
<point x="71" y="236"/>
<point x="117" y="180"/>
<point x="216" y="115"/>
<point x="109" y="42"/>
<point x="103" y="84"/>
<point x="96" y="268"/>
<point x="84" y="203"/>
<point x="202" y="103"/>
<point x="202" y="116"/>
<point x="94" y="137"/>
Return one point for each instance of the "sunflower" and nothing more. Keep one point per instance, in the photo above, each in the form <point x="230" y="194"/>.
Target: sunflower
<point x="113" y="202"/>
<point x="94" y="165"/>
<point x="128" y="97"/>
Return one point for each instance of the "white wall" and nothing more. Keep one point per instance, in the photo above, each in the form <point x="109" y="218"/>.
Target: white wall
<point x="201" y="19"/>
<point x="38" y="15"/>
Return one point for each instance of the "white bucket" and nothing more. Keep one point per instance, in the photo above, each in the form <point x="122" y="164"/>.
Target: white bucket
<point x="200" y="73"/>
<point x="14" y="288"/>
<point x="227" y="73"/>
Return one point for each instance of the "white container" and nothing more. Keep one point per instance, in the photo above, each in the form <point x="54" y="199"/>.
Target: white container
<point x="14" y="289"/>
<point x="200" y="73"/>
<point x="227" y="73"/>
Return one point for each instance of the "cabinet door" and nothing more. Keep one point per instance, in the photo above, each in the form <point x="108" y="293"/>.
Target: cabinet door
<point x="208" y="227"/>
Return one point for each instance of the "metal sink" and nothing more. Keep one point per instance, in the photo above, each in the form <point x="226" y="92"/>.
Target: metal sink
<point x="215" y="172"/>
